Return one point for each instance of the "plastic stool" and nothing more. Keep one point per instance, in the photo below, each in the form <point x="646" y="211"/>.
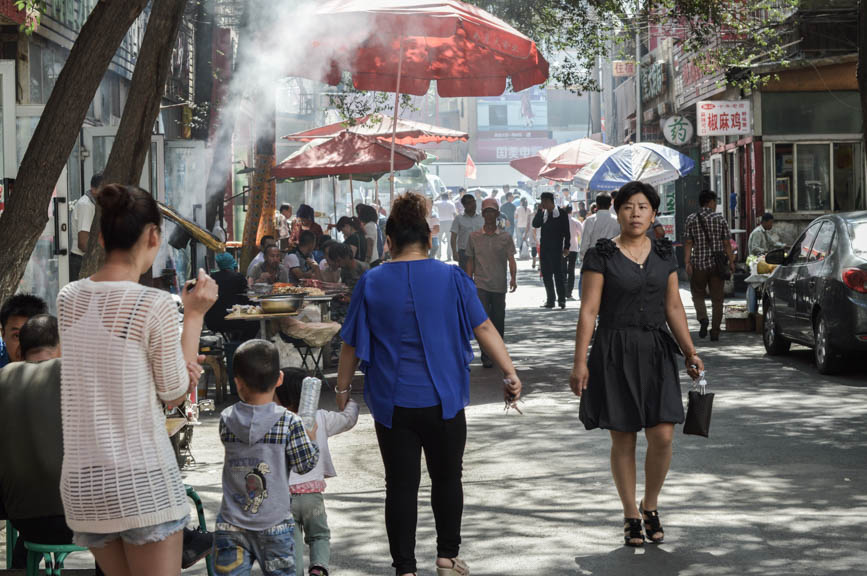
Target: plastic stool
<point x="11" y="540"/>
<point x="54" y="555"/>
<point x="200" y="512"/>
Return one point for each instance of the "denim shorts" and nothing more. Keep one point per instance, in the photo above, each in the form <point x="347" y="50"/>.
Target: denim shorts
<point x="134" y="536"/>
<point x="236" y="549"/>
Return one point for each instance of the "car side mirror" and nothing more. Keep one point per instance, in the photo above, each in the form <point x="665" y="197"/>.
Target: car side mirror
<point x="776" y="257"/>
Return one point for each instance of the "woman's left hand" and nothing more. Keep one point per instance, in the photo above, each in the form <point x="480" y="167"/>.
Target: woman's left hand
<point x="511" y="387"/>
<point x="694" y="366"/>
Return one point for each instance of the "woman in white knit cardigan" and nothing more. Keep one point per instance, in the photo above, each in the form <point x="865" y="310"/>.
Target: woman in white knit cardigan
<point x="123" y="360"/>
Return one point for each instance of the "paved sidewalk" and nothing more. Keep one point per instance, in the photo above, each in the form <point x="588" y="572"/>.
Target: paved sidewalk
<point x="778" y="488"/>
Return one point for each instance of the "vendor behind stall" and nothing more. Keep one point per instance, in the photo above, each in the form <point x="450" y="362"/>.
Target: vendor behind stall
<point x="299" y="262"/>
<point x="232" y="291"/>
<point x="269" y="271"/>
<point x="761" y="240"/>
<point x="303" y="223"/>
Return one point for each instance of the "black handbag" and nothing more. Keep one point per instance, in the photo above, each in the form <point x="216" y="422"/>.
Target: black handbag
<point x="698" y="410"/>
<point x="720" y="259"/>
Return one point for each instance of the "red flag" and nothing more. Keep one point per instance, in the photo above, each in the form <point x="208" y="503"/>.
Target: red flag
<point x="471" y="168"/>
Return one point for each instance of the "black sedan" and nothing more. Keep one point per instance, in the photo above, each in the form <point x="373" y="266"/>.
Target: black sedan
<point x="817" y="296"/>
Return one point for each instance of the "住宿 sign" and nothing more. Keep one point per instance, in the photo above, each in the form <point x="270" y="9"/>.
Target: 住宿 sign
<point x="724" y="117"/>
<point x="623" y="68"/>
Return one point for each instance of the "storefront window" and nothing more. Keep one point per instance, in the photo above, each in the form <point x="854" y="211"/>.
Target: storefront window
<point x="814" y="178"/>
<point x="783" y="167"/>
<point x="800" y="177"/>
<point x="848" y="177"/>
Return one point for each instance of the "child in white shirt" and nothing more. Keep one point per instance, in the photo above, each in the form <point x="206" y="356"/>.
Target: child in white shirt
<point x="308" y="501"/>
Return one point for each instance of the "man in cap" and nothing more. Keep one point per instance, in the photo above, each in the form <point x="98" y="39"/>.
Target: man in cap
<point x="553" y="248"/>
<point x="489" y="251"/>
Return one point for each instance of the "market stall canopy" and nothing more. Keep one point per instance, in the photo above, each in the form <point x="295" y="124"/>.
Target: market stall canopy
<point x="649" y="163"/>
<point x="560" y="162"/>
<point x="346" y="154"/>
<point x="407" y="43"/>
<point x="408" y="132"/>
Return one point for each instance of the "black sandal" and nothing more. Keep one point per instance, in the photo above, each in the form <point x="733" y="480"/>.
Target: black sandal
<point x="652" y="525"/>
<point x="632" y="531"/>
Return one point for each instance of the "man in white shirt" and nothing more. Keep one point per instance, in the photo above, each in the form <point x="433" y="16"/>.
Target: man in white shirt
<point x="82" y="220"/>
<point x="267" y="240"/>
<point x="603" y="224"/>
<point x="576" y="229"/>
<point x="446" y="210"/>
<point x="523" y="221"/>
<point x="462" y="227"/>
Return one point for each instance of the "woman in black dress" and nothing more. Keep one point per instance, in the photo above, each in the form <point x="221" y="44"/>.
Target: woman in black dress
<point x="632" y="378"/>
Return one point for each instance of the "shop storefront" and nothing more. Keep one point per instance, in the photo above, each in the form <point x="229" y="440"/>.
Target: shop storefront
<point x="813" y="156"/>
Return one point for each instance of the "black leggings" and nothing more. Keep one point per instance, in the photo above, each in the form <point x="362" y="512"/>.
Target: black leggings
<point x="443" y="441"/>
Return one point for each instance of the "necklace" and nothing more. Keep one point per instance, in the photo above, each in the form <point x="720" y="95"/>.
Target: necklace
<point x="632" y="256"/>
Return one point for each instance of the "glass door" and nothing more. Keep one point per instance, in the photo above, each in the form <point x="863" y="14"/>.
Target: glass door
<point x="48" y="268"/>
<point x="97" y="141"/>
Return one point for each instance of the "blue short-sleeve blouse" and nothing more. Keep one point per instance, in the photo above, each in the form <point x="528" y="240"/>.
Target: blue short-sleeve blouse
<point x="447" y="309"/>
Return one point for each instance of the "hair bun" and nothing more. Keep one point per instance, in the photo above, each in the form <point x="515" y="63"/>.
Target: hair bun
<point x="114" y="198"/>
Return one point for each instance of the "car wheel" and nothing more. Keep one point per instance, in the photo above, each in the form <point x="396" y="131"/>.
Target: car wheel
<point x="775" y="344"/>
<point x="827" y="360"/>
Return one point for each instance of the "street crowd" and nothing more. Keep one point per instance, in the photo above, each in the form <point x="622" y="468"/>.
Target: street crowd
<point x="408" y="326"/>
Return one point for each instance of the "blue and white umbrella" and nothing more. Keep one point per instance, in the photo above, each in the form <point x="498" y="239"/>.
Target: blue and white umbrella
<point x="649" y="163"/>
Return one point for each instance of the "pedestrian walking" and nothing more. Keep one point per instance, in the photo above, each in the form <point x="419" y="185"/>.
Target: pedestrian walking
<point x="490" y="254"/>
<point x="410" y="322"/>
<point x="122" y="354"/>
<point x="575" y="231"/>
<point x="601" y="224"/>
<point x="523" y="222"/>
<point x="446" y="210"/>
<point x="464" y="225"/>
<point x="707" y="237"/>
<point x="433" y="222"/>
<point x="508" y="210"/>
<point x="631" y="380"/>
<point x="553" y="248"/>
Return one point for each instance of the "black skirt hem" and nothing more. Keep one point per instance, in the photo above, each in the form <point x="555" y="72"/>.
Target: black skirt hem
<point x="639" y="429"/>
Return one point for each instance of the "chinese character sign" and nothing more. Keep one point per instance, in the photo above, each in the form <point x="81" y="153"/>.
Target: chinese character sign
<point x="724" y="117"/>
<point x="623" y="68"/>
<point x="677" y="130"/>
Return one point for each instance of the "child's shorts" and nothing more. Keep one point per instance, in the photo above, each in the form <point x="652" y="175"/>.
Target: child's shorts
<point x="134" y="536"/>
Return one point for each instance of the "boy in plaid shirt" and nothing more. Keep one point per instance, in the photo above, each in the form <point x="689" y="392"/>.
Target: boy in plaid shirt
<point x="263" y="442"/>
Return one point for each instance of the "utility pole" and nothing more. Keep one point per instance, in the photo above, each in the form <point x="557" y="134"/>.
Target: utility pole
<point x="637" y="72"/>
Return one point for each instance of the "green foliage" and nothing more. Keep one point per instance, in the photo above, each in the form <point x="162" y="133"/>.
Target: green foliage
<point x="724" y="34"/>
<point x="33" y="11"/>
<point x="352" y="103"/>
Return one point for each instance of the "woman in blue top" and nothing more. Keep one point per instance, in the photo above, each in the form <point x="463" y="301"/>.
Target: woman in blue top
<point x="410" y="323"/>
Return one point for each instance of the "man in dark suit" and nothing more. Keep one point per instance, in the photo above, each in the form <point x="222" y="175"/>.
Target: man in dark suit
<point x="553" y="247"/>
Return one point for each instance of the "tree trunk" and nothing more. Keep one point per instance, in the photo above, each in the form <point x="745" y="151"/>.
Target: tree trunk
<point x="26" y="212"/>
<point x="862" y="71"/>
<point x="133" y="140"/>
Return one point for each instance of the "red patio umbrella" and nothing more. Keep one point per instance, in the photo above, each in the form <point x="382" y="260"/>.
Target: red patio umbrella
<point x="560" y="162"/>
<point x="468" y="51"/>
<point x="346" y="153"/>
<point x="408" y="133"/>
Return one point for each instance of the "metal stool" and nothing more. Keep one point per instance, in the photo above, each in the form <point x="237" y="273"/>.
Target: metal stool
<point x="200" y="512"/>
<point x="54" y="555"/>
<point x="307" y="353"/>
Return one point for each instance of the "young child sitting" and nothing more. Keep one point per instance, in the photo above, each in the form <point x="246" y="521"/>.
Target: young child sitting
<point x="308" y="503"/>
<point x="263" y="441"/>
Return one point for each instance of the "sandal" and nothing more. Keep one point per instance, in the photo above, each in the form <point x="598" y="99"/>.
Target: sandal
<point x="652" y="525"/>
<point x="458" y="568"/>
<point x="632" y="532"/>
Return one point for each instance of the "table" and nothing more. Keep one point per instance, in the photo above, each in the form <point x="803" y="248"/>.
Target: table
<point x="261" y="318"/>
